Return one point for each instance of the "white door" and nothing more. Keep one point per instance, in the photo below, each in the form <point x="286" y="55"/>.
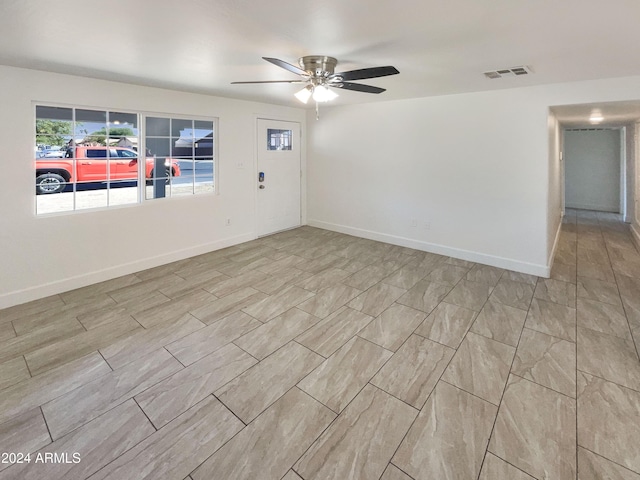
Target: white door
<point x="278" y="179"/>
<point x="592" y="169"/>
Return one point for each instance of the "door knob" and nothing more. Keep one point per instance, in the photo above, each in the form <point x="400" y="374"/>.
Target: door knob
<point x="261" y="187"/>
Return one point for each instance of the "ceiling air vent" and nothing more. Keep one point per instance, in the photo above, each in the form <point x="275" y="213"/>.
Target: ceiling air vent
<point x="508" y="72"/>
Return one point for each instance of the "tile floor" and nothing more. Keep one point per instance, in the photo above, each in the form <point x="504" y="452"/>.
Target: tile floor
<point x="315" y="355"/>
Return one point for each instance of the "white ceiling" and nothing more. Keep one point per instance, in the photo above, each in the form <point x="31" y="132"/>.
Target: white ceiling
<point x="613" y="113"/>
<point x="440" y="47"/>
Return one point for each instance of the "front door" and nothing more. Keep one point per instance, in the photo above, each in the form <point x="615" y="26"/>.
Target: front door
<point x="278" y="181"/>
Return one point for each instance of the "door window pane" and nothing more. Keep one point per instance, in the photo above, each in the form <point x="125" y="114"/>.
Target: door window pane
<point x="278" y="139"/>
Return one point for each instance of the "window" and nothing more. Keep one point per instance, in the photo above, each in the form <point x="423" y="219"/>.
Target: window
<point x="86" y="158"/>
<point x="182" y="152"/>
<point x="75" y="164"/>
<point x="278" y="139"/>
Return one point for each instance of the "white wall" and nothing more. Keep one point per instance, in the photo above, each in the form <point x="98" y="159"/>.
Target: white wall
<point x="555" y="208"/>
<point x="630" y="172"/>
<point x="46" y="255"/>
<point x="593" y="169"/>
<point x="474" y="166"/>
<point x="635" y="221"/>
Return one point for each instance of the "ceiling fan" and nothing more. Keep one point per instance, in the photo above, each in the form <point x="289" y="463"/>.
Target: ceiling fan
<point x="318" y="73"/>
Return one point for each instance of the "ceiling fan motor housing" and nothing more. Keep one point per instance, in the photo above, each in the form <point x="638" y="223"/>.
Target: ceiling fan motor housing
<point x="318" y="66"/>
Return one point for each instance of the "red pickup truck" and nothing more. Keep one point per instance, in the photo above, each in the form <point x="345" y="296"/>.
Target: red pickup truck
<point x="53" y="174"/>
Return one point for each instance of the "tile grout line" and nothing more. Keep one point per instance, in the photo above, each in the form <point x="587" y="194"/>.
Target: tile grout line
<point x="505" y="385"/>
<point x="97" y="417"/>
<point x="235" y="344"/>
<point x="82" y="324"/>
<point x="394" y="396"/>
<point x="549" y="334"/>
<point x="327" y="358"/>
<point x="311" y="444"/>
<point x="403" y="343"/>
<point x="622" y="303"/>
<point x="609" y="381"/>
<point x="517" y="468"/>
<point x="576" y="337"/>
<point x="46" y="425"/>
<point x="234" y="413"/>
<point x="576" y="346"/>
<point x="105" y="361"/>
<point x="363" y="387"/>
<point x="143" y="412"/>
<point x="343" y="410"/>
<point x="140" y="442"/>
<point x="295" y="340"/>
<point x="515" y="353"/>
<point x="439" y="378"/>
<point x="470" y="393"/>
<point x="61" y="298"/>
<point x="606" y="248"/>
<point x="24" y="357"/>
<point x="543" y="386"/>
<point x="391" y="463"/>
<point x="14" y="329"/>
<point x="164" y="347"/>
<point x="608" y="459"/>
<point x="254" y="365"/>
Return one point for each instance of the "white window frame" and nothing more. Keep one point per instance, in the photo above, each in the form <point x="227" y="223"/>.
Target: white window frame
<point x="143" y="147"/>
<point x="142" y="116"/>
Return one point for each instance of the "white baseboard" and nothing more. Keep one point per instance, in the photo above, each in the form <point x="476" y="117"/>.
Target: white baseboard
<point x="40" y="291"/>
<point x="494" y="261"/>
<point x="635" y="234"/>
<point x="552" y="254"/>
<point x="596" y="208"/>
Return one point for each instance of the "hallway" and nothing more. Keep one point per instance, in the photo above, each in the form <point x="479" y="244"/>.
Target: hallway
<point x="596" y="254"/>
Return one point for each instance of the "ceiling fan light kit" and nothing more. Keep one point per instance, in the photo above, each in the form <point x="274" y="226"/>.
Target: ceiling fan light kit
<point x="305" y="94"/>
<point x="318" y="73"/>
<point x="322" y="94"/>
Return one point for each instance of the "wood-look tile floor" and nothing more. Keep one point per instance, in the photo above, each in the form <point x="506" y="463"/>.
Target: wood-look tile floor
<point x="314" y="355"/>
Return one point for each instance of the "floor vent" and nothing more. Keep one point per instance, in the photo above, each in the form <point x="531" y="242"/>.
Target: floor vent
<point x="508" y="72"/>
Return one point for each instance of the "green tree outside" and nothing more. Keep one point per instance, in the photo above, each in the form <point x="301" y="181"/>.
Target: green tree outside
<point x="52" y="132"/>
<point x="100" y="136"/>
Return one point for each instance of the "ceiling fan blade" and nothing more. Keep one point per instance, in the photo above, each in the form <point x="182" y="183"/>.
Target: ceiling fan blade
<point x="358" y="87"/>
<point x="364" y="73"/>
<point x="272" y="81"/>
<point x="285" y="65"/>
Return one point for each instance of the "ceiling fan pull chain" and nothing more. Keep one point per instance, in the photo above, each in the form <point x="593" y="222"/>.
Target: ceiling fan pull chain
<point x="317" y="111"/>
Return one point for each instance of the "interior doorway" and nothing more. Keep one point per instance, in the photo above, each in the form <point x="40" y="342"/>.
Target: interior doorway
<point x="620" y="116"/>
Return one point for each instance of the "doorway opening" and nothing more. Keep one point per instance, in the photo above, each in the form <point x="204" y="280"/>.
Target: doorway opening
<point x="583" y="175"/>
<point x="595" y="173"/>
<point x="599" y="123"/>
